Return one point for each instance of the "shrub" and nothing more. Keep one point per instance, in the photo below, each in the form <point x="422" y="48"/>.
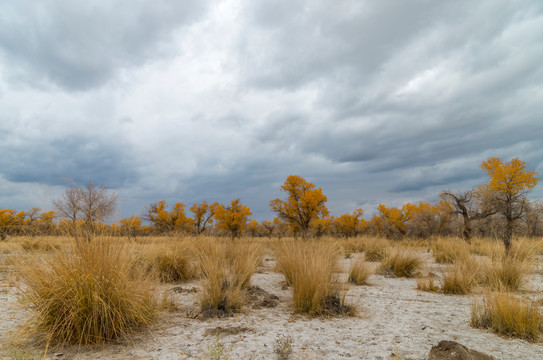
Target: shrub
<point x="507" y="315"/>
<point x="283" y="346"/>
<point x="87" y="295"/>
<point x="447" y="251"/>
<point x="401" y="263"/>
<point x="375" y="249"/>
<point x="310" y="267"/>
<point x="227" y="271"/>
<point x="507" y="273"/>
<point x="462" y="277"/>
<point x="360" y="272"/>
<point x="168" y="264"/>
<point x="427" y="284"/>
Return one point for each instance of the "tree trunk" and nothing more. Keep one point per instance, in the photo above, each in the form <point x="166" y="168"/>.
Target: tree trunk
<point x="508" y="236"/>
<point x="466" y="233"/>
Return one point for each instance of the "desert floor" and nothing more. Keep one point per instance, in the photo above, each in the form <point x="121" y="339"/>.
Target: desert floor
<point x="395" y="321"/>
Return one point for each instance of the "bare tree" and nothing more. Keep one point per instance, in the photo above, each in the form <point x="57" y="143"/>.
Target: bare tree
<point x="92" y="204"/>
<point x="471" y="205"/>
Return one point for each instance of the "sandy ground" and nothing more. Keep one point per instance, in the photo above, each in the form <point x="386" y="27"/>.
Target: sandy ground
<point x="394" y="320"/>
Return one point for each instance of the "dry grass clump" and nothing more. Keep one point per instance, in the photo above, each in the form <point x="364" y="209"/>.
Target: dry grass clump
<point x="227" y="271"/>
<point x="375" y="249"/>
<point x="168" y="263"/>
<point x="447" y="251"/>
<point x="507" y="315"/>
<point x="352" y="245"/>
<point x="507" y="273"/>
<point x="87" y="295"/>
<point x="462" y="277"/>
<point x="427" y="284"/>
<point x="360" y="272"/>
<point x="309" y="268"/>
<point x="402" y="263"/>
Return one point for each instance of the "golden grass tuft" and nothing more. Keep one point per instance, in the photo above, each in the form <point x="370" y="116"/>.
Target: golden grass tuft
<point x="507" y="272"/>
<point x="309" y="268"/>
<point x="360" y="272"/>
<point x="375" y="249"/>
<point x="427" y="284"/>
<point x="507" y="315"/>
<point x="462" y="277"/>
<point x="86" y="295"/>
<point x="401" y="263"/>
<point x="227" y="270"/>
<point x="446" y="251"/>
<point x="168" y="263"/>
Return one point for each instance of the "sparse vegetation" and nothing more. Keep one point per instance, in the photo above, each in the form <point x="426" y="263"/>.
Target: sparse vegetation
<point x="375" y="249"/>
<point x="507" y="315"/>
<point x="360" y="272"/>
<point x="309" y="268"/>
<point x="401" y="263"/>
<point x="87" y="295"/>
<point x="283" y="346"/>
<point x="462" y="277"/>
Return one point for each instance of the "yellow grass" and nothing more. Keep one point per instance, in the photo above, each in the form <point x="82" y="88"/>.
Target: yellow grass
<point x="402" y="263"/>
<point x="375" y="249"/>
<point x="507" y="315"/>
<point x="461" y="277"/>
<point x="446" y="251"/>
<point x="86" y="295"/>
<point x="360" y="272"/>
<point x="309" y="268"/>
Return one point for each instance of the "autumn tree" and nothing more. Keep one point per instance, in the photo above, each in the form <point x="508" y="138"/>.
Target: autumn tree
<point x="320" y="226"/>
<point x="508" y="185"/>
<point x="11" y="222"/>
<point x="204" y="214"/>
<point x="169" y="222"/>
<point x="130" y="227"/>
<point x="392" y="221"/>
<point x="348" y="225"/>
<point x="233" y="218"/>
<point x="304" y="203"/>
<point x="253" y="227"/>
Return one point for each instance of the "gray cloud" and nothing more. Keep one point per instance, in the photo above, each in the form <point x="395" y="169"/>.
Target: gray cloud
<point x="82" y="45"/>
<point x="375" y="102"/>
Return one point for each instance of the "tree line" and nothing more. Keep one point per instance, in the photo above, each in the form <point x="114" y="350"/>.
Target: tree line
<point x="498" y="208"/>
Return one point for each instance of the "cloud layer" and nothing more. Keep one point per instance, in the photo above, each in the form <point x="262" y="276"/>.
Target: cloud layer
<point x="373" y="101"/>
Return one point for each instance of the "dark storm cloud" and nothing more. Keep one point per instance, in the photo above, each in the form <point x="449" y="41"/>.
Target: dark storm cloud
<point x="77" y="158"/>
<point x="80" y="45"/>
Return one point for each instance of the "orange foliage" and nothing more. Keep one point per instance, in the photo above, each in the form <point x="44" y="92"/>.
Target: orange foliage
<point x="203" y="215"/>
<point x="304" y="204"/>
<point x="232" y="218"/>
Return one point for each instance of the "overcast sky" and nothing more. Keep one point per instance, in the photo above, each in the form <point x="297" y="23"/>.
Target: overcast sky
<point x="374" y="101"/>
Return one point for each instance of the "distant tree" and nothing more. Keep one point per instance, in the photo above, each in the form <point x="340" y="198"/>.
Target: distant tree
<point x="168" y="222"/>
<point x="321" y="226"/>
<point x="471" y="205"/>
<point x="232" y="218"/>
<point x="509" y="184"/>
<point x="204" y="215"/>
<point x="11" y="222"/>
<point x="92" y="204"/>
<point x="348" y="225"/>
<point x="253" y="227"/>
<point x="305" y="203"/>
<point x="130" y="227"/>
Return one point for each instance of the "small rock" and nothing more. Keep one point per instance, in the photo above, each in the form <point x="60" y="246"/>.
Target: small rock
<point x="451" y="350"/>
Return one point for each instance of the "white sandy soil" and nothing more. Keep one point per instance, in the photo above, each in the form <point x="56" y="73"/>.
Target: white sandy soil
<point x="394" y="320"/>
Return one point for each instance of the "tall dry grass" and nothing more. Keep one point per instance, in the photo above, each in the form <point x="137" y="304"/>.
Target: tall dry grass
<point x="507" y="272"/>
<point x="375" y="249"/>
<point x="309" y="268"/>
<point x="170" y="263"/>
<point x="446" y="251"/>
<point x="227" y="268"/>
<point x="507" y="315"/>
<point x="402" y="263"/>
<point x="360" y="272"/>
<point x="462" y="276"/>
<point x="87" y="294"/>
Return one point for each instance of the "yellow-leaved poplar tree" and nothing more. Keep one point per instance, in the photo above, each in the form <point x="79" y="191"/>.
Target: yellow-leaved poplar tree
<point x="305" y="203"/>
<point x="204" y="214"/>
<point x="232" y="218"/>
<point x="508" y="185"/>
